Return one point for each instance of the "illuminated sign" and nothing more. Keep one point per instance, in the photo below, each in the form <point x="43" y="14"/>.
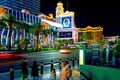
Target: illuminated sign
<point x="66" y="21"/>
<point x="95" y="57"/>
<point x="65" y="34"/>
<point x="81" y="57"/>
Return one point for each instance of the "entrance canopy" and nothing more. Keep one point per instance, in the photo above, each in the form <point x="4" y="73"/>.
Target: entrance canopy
<point x="52" y="23"/>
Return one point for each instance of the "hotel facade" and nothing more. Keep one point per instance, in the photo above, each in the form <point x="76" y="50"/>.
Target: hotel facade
<point x="91" y="34"/>
<point x="21" y="17"/>
<point x="30" y="5"/>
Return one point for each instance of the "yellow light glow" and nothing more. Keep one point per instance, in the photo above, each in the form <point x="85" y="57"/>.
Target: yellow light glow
<point x="81" y="57"/>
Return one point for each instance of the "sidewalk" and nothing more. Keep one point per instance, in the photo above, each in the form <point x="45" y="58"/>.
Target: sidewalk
<point x="46" y="74"/>
<point x="48" y="77"/>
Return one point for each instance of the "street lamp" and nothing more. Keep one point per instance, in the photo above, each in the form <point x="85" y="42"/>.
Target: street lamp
<point x="117" y="39"/>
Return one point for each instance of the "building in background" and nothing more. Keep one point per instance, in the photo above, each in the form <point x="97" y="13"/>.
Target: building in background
<point x="112" y="40"/>
<point x="25" y="16"/>
<point x="68" y="29"/>
<point x="21" y="17"/>
<point x="49" y="17"/>
<point x="33" y="6"/>
<point x="91" y="34"/>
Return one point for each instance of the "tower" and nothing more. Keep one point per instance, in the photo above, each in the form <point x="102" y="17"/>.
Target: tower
<point x="59" y="9"/>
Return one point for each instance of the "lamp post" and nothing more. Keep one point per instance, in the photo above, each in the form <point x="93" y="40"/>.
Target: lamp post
<point x="107" y="52"/>
<point x="117" y="39"/>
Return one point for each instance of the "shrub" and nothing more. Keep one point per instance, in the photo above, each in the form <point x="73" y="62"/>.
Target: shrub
<point x="117" y="51"/>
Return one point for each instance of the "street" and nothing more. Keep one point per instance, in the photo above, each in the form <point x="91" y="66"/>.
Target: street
<point x="46" y="57"/>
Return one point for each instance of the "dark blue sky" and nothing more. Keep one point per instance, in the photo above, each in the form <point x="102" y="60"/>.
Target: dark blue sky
<point x="91" y="12"/>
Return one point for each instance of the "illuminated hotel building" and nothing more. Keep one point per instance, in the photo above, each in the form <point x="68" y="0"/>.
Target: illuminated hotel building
<point x="63" y="22"/>
<point x="93" y="34"/>
<point x="68" y="29"/>
<point x="47" y="22"/>
<point x="20" y="16"/>
<point x="33" y="6"/>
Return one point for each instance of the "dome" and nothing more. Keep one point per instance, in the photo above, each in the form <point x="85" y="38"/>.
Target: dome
<point x="67" y="11"/>
<point x="89" y="27"/>
<point x="59" y="3"/>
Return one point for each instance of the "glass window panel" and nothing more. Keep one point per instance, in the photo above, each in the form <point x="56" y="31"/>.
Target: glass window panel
<point x="18" y="18"/>
<point x="10" y="11"/>
<point x="27" y="17"/>
<point x="24" y="17"/>
<point x="31" y="18"/>
<point x="14" y="12"/>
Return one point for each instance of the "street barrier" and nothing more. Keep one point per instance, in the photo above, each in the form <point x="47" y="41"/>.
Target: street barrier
<point x="60" y="64"/>
<point x="12" y="73"/>
<point x="73" y="61"/>
<point x="52" y="63"/>
<point x="41" y="66"/>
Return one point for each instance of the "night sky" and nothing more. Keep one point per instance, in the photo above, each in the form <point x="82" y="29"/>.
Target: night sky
<point x="94" y="13"/>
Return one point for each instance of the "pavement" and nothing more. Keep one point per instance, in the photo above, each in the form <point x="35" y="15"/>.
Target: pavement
<point x="46" y="73"/>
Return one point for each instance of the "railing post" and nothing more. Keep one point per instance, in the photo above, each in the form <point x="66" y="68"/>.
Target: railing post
<point x="67" y="60"/>
<point x="52" y="63"/>
<point x="12" y="73"/>
<point x="41" y="68"/>
<point x="73" y="62"/>
<point x="60" y="64"/>
<point x="78" y="61"/>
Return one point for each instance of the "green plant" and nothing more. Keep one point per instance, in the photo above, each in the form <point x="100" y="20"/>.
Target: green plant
<point x="117" y="54"/>
<point x="117" y="51"/>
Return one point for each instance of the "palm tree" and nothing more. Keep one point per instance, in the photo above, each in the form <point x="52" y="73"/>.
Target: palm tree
<point x="86" y="37"/>
<point x="21" y="26"/>
<point x="52" y="32"/>
<point x="10" y="21"/>
<point x="18" y="27"/>
<point x="27" y="27"/>
<point x="37" y="29"/>
<point x="25" y="42"/>
<point x="2" y="25"/>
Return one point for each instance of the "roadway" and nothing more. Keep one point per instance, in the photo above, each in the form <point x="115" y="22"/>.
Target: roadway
<point x="46" y="57"/>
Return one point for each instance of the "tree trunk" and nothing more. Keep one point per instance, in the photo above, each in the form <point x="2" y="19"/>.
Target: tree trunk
<point x="19" y="38"/>
<point x="37" y="41"/>
<point x="25" y="47"/>
<point x="9" y="39"/>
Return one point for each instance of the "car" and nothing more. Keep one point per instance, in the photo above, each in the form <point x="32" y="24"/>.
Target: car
<point x="66" y="51"/>
<point x="71" y="46"/>
<point x="11" y="55"/>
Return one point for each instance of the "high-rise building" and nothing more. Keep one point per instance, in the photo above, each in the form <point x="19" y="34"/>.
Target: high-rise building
<point x="19" y="16"/>
<point x="33" y="6"/>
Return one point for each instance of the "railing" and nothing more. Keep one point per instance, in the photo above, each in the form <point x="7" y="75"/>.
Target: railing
<point x="91" y="75"/>
<point x="86" y="77"/>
